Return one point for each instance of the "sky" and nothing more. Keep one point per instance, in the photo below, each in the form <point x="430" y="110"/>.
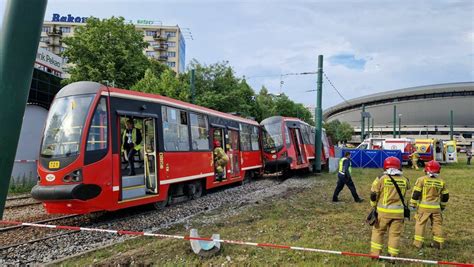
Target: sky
<point x="368" y="46"/>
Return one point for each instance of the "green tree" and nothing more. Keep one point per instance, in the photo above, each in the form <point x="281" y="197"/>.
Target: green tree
<point x="106" y="49"/>
<point x="264" y="105"/>
<point x="167" y="85"/>
<point x="339" y="132"/>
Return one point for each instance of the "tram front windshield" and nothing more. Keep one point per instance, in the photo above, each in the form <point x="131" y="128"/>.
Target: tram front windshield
<point x="65" y="125"/>
<point x="272" y="137"/>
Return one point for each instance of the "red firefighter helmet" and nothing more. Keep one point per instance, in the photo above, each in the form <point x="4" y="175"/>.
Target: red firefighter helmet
<point x="392" y="163"/>
<point x="433" y="167"/>
<point x="217" y="143"/>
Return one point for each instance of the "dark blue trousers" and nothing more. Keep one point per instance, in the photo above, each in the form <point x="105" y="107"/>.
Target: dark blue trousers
<point x="341" y="181"/>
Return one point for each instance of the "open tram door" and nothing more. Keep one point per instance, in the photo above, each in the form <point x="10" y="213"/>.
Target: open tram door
<point x="218" y="143"/>
<point x="143" y="181"/>
<point x="296" y="139"/>
<point x="233" y="151"/>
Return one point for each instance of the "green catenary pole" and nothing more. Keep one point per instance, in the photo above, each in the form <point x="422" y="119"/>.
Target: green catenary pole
<point x="19" y="41"/>
<point x="193" y="90"/>
<point x="399" y="126"/>
<point x="451" y="126"/>
<point x="372" y="127"/>
<point x="319" y="115"/>
<point x="368" y="127"/>
<point x="394" y="121"/>
<point x="362" y="124"/>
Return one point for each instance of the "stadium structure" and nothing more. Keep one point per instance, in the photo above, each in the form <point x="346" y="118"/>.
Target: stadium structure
<point x="424" y="112"/>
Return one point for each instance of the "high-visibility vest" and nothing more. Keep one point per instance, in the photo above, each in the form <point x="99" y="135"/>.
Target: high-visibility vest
<point x="134" y="139"/>
<point x="341" y="165"/>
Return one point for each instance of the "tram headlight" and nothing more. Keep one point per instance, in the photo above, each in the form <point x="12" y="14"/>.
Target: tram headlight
<point x="73" y="177"/>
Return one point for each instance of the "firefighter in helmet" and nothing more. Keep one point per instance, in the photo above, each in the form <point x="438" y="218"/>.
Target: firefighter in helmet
<point x="220" y="160"/>
<point x="414" y="156"/>
<point x="430" y="196"/>
<point x="385" y="198"/>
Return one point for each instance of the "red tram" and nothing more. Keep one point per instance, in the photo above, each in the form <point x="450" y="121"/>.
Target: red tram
<point x="288" y="144"/>
<point x="81" y="167"/>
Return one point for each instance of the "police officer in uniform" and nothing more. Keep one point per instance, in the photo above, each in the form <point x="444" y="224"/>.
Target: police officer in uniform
<point x="131" y="144"/>
<point x="430" y="196"/>
<point x="385" y="198"/>
<point x="344" y="178"/>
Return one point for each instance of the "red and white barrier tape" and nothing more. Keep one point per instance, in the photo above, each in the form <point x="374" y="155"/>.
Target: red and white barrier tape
<point x="26" y="161"/>
<point x="123" y="232"/>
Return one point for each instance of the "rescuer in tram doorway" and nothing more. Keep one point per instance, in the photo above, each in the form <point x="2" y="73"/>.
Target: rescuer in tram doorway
<point x="344" y="178"/>
<point x="131" y="144"/>
<point x="414" y="159"/>
<point x="220" y="160"/>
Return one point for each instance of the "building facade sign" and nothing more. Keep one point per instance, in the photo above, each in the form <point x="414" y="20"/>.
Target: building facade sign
<point x="69" y="18"/>
<point x="49" y="60"/>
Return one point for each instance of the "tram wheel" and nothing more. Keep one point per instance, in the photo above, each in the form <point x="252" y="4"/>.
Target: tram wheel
<point x="162" y="204"/>
<point x="198" y="190"/>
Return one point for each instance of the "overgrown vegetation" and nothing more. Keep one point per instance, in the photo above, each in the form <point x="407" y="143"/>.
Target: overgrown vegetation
<point x="307" y="219"/>
<point x="21" y="186"/>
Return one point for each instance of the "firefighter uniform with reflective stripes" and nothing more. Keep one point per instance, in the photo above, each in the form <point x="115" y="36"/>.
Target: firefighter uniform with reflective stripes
<point x="430" y="195"/>
<point x="385" y="198"/>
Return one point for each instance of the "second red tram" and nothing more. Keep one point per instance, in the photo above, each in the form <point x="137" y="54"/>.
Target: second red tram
<point x="288" y="144"/>
<point x="81" y="166"/>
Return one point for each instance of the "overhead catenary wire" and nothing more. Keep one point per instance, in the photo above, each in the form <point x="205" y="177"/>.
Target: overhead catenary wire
<point x="335" y="89"/>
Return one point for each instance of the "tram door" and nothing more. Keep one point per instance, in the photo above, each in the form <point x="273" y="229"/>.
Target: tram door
<point x="218" y="138"/>
<point x="149" y="155"/>
<point x="233" y="151"/>
<point x="298" y="144"/>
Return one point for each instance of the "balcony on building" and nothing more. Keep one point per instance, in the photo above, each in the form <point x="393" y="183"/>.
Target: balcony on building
<point x="160" y="47"/>
<point x="55" y="32"/>
<point x="160" y="37"/>
<point x="163" y="58"/>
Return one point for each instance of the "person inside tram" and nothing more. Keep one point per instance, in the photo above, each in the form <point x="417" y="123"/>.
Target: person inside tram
<point x="131" y="144"/>
<point x="220" y="160"/>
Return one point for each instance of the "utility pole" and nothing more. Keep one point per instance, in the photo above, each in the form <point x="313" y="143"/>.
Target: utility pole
<point x="394" y="121"/>
<point x="19" y="41"/>
<point x="319" y="116"/>
<point x="451" y="122"/>
<point x="368" y="127"/>
<point x="362" y="124"/>
<point x="193" y="90"/>
<point x="372" y="127"/>
<point x="399" y="125"/>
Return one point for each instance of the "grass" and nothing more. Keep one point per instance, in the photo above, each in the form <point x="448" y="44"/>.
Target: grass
<point x="306" y="219"/>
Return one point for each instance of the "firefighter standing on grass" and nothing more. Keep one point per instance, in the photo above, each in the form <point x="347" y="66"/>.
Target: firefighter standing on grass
<point x="430" y="196"/>
<point x="414" y="159"/>
<point x="385" y="198"/>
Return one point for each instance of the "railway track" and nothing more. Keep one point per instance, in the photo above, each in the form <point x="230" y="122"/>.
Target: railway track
<point x="19" y="197"/>
<point x="22" y="205"/>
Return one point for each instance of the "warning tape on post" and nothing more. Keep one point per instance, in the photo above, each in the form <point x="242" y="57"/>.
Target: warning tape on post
<point x="235" y="242"/>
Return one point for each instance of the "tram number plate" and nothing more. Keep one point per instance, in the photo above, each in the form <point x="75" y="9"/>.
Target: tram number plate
<point x="54" y="165"/>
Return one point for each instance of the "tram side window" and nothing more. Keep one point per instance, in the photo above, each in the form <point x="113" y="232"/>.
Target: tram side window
<point x="199" y="132"/>
<point x="245" y="132"/>
<point x="97" y="138"/>
<point x="254" y="138"/>
<point x="306" y="132"/>
<point x="175" y="129"/>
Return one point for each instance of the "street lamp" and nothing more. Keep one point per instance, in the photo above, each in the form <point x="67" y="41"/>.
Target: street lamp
<point x="400" y="125"/>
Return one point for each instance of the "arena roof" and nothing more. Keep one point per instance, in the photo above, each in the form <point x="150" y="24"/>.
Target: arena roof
<point x="412" y="93"/>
